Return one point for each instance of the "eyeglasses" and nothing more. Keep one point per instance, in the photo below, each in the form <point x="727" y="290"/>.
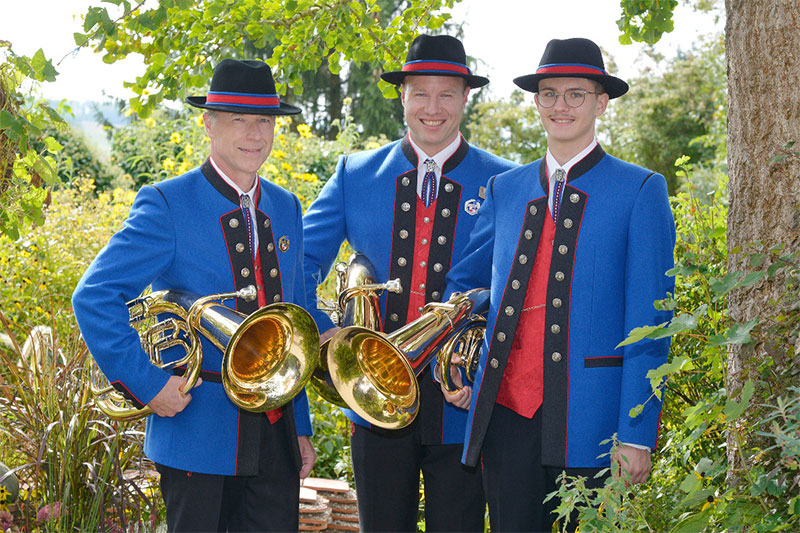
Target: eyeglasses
<point x="572" y="97"/>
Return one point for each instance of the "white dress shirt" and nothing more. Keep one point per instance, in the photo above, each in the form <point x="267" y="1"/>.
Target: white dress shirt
<point x="439" y="159"/>
<point x="250" y="194"/>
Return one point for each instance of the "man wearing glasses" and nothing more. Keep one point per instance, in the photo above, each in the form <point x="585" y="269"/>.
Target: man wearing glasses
<point x="575" y="247"/>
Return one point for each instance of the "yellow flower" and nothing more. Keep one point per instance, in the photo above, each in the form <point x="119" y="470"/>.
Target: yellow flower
<point x="198" y="121"/>
<point x="278" y="154"/>
<point x="372" y="145"/>
<point x="347" y="101"/>
<point x="150" y="122"/>
<point x="286" y="166"/>
<point x="183" y="167"/>
<point x="4" y="494"/>
<point x="188" y="149"/>
<point x="175" y="137"/>
<point x="711" y="500"/>
<point x="168" y="164"/>
<point x="304" y="130"/>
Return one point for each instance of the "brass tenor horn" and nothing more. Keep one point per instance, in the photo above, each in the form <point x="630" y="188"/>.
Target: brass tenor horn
<point x="358" y="304"/>
<point x="268" y="356"/>
<point x="376" y="374"/>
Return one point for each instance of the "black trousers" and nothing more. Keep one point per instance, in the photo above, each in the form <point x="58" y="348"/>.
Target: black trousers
<point x="387" y="466"/>
<point x="269" y="501"/>
<point x="515" y="481"/>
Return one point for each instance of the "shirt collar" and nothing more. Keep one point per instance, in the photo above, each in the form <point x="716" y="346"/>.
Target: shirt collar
<point x="552" y="164"/>
<point x="439" y="158"/>
<point x="251" y="193"/>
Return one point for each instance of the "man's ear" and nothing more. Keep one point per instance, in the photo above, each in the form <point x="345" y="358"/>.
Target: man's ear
<point x="602" y="104"/>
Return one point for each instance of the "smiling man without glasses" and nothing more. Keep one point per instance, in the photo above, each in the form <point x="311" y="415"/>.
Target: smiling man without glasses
<point x="215" y="229"/>
<point x="409" y="208"/>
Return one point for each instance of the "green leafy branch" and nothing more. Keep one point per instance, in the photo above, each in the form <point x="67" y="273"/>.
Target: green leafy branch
<point x="645" y="20"/>
<point x="27" y="166"/>
<point x="180" y="40"/>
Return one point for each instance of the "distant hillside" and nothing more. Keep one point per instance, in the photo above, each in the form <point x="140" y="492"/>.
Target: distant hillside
<point x="85" y="117"/>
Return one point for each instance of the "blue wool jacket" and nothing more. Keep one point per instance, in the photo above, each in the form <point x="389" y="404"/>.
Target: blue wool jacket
<point x="183" y="234"/>
<point x="613" y="245"/>
<point x="371" y="203"/>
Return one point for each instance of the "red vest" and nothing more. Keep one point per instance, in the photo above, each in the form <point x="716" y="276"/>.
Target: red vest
<point x="422" y="247"/>
<point x="522" y="383"/>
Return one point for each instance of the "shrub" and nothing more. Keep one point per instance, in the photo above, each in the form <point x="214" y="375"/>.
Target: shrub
<point x="693" y="484"/>
<point x="77" y="469"/>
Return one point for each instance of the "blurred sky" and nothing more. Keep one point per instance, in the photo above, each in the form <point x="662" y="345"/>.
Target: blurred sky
<point x="508" y="36"/>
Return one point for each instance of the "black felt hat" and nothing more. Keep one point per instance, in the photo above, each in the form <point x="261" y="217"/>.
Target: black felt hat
<point x="573" y="58"/>
<point x="244" y="87"/>
<point x="435" y="55"/>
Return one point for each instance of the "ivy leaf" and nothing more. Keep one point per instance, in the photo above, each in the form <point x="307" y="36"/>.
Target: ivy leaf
<point x="724" y="285"/>
<point x="751" y="278"/>
<point x="678" y="324"/>
<point x="736" y="334"/>
<point x="80" y="38"/>
<point x="640" y="333"/>
<point x="734" y="409"/>
<point x="656" y="375"/>
<point x="43" y="68"/>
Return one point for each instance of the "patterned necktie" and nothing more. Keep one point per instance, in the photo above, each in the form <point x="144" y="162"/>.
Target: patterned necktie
<point x="559" y="175"/>
<point x="429" y="183"/>
<point x="248" y="221"/>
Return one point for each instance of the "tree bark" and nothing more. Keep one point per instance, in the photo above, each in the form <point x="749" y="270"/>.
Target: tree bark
<point x="763" y="56"/>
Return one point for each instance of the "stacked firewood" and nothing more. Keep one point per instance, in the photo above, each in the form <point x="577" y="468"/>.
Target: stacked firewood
<point x="327" y="505"/>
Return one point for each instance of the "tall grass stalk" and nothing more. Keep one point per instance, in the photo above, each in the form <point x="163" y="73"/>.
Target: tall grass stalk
<point x="78" y="469"/>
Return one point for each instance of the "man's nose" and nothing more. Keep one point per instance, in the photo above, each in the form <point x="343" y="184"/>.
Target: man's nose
<point x="432" y="105"/>
<point x="561" y="101"/>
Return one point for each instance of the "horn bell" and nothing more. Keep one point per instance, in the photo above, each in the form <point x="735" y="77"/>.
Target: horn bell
<point x="373" y="377"/>
<point x="270" y="357"/>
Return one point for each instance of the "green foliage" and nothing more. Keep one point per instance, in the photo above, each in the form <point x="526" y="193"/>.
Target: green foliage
<point x="78" y="471"/>
<point x="79" y="160"/>
<point x="163" y="146"/>
<point x="331" y="439"/>
<point x="509" y="129"/>
<point x="40" y="271"/>
<point x="66" y="453"/>
<point x="694" y="484"/>
<point x="27" y="165"/>
<point x="680" y="112"/>
<point x="180" y="43"/>
<point x="645" y="20"/>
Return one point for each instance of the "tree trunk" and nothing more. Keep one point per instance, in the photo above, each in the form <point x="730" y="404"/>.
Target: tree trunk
<point x="763" y="54"/>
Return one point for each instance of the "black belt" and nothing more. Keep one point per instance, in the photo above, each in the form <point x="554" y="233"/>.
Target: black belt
<point x="207" y="375"/>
